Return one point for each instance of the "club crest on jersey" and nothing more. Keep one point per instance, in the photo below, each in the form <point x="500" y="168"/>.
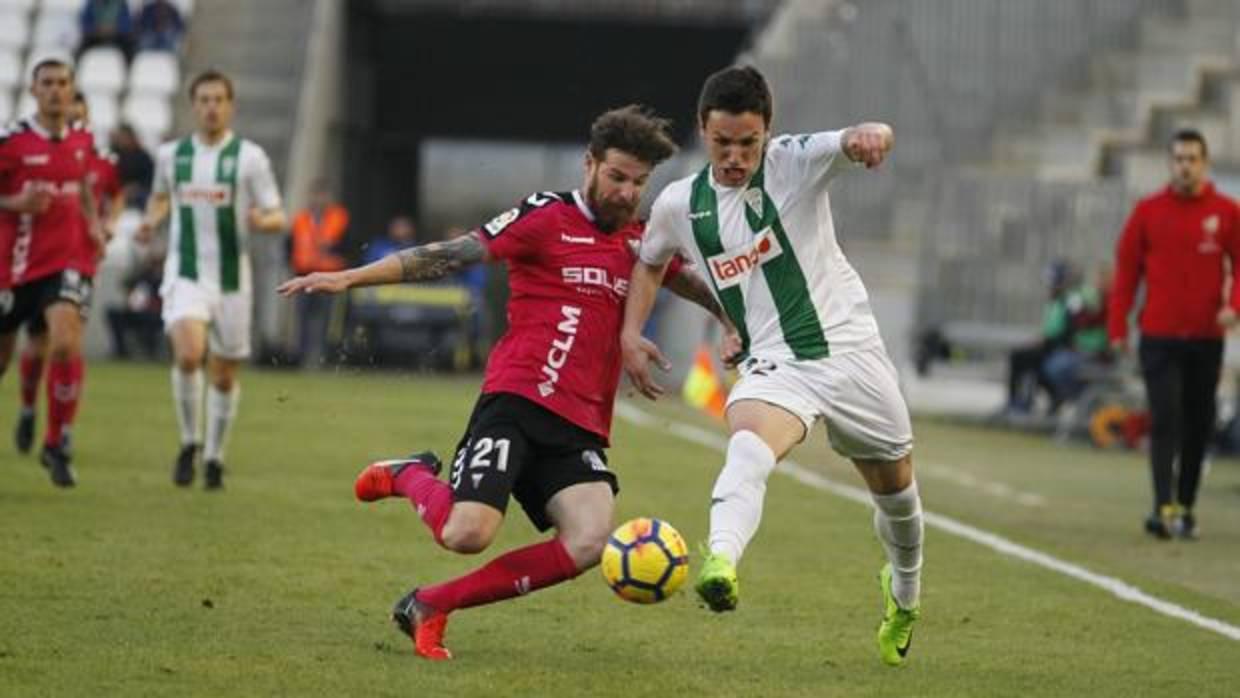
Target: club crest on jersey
<point x="730" y="267"/>
<point x="1210" y="224"/>
<point x="753" y="199"/>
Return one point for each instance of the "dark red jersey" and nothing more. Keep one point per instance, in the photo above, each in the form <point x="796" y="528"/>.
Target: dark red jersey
<point x="105" y="183"/>
<point x="568" y="281"/>
<point x="33" y="246"/>
<point x="1179" y="246"/>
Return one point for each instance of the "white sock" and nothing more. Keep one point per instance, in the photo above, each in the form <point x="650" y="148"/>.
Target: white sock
<point x="736" y="502"/>
<point x="221" y="408"/>
<point x="897" y="520"/>
<point x="187" y="400"/>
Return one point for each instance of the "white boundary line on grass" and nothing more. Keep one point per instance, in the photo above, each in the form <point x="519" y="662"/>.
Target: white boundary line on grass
<point x="806" y="476"/>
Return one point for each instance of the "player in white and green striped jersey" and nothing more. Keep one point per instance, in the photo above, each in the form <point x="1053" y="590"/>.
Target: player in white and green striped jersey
<point x="218" y="188"/>
<point x="757" y="220"/>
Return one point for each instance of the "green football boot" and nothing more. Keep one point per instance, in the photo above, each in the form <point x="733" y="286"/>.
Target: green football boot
<point x="895" y="633"/>
<point x="717" y="583"/>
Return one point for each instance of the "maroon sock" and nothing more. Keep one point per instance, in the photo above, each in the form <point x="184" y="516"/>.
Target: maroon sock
<point x="512" y="574"/>
<point x="31" y="369"/>
<point x="64" y="386"/>
<point x="430" y="496"/>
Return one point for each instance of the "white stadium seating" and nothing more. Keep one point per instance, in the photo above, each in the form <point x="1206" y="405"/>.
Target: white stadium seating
<point x="14" y="29"/>
<point x="149" y="114"/>
<point x="10" y="70"/>
<point x="154" y="73"/>
<point x="7" y="108"/>
<point x="102" y="69"/>
<point x="56" y="28"/>
<point x="64" y="5"/>
<point x="16" y="5"/>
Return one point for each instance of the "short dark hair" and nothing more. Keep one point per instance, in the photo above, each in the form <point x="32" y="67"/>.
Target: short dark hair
<point x="633" y="129"/>
<point x="211" y="75"/>
<point x="735" y="90"/>
<point x="49" y="63"/>
<point x="1190" y="135"/>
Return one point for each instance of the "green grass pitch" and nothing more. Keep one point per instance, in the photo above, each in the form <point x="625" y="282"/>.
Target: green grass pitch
<point x="281" y="585"/>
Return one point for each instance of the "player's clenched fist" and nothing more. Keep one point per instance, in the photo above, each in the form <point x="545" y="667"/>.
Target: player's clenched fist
<point x="868" y="143"/>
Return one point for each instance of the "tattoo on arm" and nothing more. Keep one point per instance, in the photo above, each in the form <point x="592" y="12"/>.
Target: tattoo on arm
<point x="688" y="285"/>
<point x="438" y="259"/>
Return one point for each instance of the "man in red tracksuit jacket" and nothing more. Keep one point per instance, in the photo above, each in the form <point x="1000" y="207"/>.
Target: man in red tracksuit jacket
<point x="1177" y="240"/>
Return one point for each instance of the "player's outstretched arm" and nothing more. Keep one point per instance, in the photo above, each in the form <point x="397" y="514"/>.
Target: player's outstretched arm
<point x="423" y="263"/>
<point x="637" y="350"/>
<point x="868" y="143"/>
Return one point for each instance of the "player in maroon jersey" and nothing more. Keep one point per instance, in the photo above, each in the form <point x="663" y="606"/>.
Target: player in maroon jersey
<point x="46" y="208"/>
<point x="540" y="427"/>
<point x="106" y="186"/>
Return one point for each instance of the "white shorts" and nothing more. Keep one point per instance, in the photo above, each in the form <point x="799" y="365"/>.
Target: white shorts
<point x="857" y="394"/>
<point x="227" y="315"/>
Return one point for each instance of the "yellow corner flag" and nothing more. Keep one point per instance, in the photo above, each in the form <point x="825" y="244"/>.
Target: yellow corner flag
<point x="703" y="389"/>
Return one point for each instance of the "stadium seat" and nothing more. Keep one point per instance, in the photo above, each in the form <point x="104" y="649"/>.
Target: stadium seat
<point x="56" y="29"/>
<point x="25" y="105"/>
<point x="7" y="108"/>
<point x="63" y="5"/>
<point x="17" y="5"/>
<point x="154" y="73"/>
<point x="102" y="69"/>
<point x="14" y="28"/>
<point x="10" y="69"/>
<point x="148" y="114"/>
<point x="104" y="112"/>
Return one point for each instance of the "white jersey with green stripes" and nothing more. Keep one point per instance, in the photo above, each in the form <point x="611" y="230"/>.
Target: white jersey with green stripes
<point x="769" y="251"/>
<point x="212" y="189"/>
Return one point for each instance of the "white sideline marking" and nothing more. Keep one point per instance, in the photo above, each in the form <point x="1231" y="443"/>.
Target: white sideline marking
<point x="800" y="473"/>
<point x="994" y="489"/>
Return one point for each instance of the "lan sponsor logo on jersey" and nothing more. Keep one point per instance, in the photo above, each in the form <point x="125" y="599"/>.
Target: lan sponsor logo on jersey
<point x="730" y="267"/>
<point x="208" y="194"/>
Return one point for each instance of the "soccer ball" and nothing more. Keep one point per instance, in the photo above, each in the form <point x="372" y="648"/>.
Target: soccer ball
<point x="645" y="561"/>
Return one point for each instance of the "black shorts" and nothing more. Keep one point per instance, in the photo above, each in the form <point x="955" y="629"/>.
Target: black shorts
<point x="514" y="446"/>
<point x="25" y="304"/>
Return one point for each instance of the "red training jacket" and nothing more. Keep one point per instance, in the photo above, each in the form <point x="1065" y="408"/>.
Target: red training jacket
<point x="1178" y="245"/>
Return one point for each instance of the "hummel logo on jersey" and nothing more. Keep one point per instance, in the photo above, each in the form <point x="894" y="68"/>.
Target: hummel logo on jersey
<point x="698" y="215"/>
<point x="730" y="267"/>
<point x="560" y="346"/>
<point x="576" y="240"/>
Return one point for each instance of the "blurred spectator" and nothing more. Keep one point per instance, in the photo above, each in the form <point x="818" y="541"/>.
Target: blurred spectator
<point x="1025" y="364"/>
<point x="160" y="26"/>
<point x="401" y="233"/>
<point x="317" y="232"/>
<point x="106" y="23"/>
<point x="1184" y="243"/>
<point x="1086" y="307"/>
<point x="134" y="164"/>
<point x="137" y="318"/>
